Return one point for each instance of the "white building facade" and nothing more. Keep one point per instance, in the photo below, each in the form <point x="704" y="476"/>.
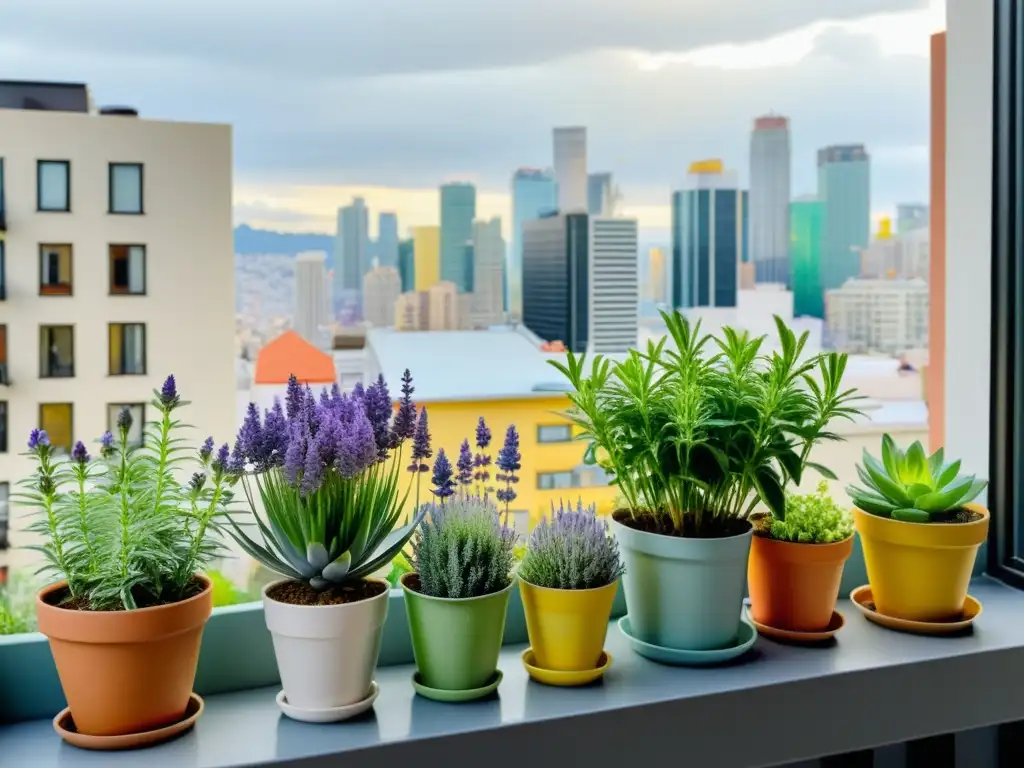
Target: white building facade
<point x="487" y="302"/>
<point x="570" y="145"/>
<point x="882" y="316"/>
<point x="614" y="291"/>
<point x="902" y="256"/>
<point x="312" y="307"/>
<point x="381" y="288"/>
<point x="769" y="199"/>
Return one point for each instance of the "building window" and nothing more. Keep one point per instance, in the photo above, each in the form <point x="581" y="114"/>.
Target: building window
<point x="56" y="351"/>
<point x="128" y="269"/>
<point x="138" y="412"/>
<point x="554" y="433"/>
<point x="53" y="185"/>
<point x="55" y="270"/>
<point x="4" y="378"/>
<point x="3" y="272"/>
<point x="5" y="520"/>
<point x="552" y="481"/>
<point x="127" y="349"/>
<point x="57" y="420"/>
<point x="126" y="188"/>
<point x="3" y="426"/>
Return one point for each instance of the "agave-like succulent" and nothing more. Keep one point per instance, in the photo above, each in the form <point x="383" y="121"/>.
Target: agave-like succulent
<point x="912" y="486"/>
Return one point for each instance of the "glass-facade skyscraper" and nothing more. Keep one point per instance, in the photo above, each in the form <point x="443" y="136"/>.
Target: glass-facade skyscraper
<point x="458" y="209"/>
<point x="769" y="199"/>
<point x="534" y="194"/>
<point x="556" y="279"/>
<point x="844" y="186"/>
<point x="806" y="224"/>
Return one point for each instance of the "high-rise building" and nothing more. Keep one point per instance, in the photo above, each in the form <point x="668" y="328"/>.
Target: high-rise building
<point x="769" y="199"/>
<point x="381" y="289"/>
<point x="412" y="311"/>
<point x="534" y="194"/>
<point x="426" y="256"/>
<point x="488" y="288"/>
<point x="458" y="209"/>
<point x="612" y="280"/>
<point x="407" y="265"/>
<point x="806" y="230"/>
<point x="600" y="194"/>
<point x="556" y="271"/>
<point x="904" y="255"/>
<point x="387" y="240"/>
<point x="656" y="275"/>
<point x="571" y="169"/>
<point x="443" y="303"/>
<point x="911" y="216"/>
<point x="351" y="252"/>
<point x="709" y="237"/>
<point x="886" y="316"/>
<point x="312" y="311"/>
<point x="844" y="186"/>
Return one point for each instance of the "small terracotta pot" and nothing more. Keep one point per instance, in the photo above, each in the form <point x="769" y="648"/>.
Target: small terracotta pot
<point x="793" y="585"/>
<point x="126" y="672"/>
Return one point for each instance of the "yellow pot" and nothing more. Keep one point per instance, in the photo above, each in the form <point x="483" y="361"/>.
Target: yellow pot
<point x="567" y="627"/>
<point x="920" y="571"/>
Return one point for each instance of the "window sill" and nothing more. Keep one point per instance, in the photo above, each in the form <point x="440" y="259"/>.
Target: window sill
<point x="872" y="687"/>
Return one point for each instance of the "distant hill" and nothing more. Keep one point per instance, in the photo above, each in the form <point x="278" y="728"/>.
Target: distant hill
<point x="249" y="241"/>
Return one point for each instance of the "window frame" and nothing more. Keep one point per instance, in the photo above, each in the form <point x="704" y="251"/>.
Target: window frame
<point x="58" y="325"/>
<point x="542" y="427"/>
<point x="145" y="348"/>
<point x="110" y="268"/>
<point x="569" y="472"/>
<point x="71" y="419"/>
<point x="71" y="268"/>
<point x="110" y="188"/>
<point x="39" y="185"/>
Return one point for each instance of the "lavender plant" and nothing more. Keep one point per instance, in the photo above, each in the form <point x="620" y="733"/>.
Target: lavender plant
<point x="482" y="459"/>
<point x="509" y="460"/>
<point x="571" y="550"/>
<point x="120" y="529"/>
<point x="328" y="473"/>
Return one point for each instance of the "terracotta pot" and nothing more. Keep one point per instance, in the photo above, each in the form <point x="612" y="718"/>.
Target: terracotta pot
<point x="126" y="672"/>
<point x="794" y="586"/>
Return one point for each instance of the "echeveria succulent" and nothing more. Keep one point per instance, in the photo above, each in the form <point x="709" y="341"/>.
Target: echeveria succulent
<point x="571" y="550"/>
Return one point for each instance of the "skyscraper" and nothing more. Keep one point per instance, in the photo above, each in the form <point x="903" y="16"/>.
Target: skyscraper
<point x="769" y="199"/>
<point x="571" y="169"/>
<point x="426" y="256"/>
<point x="381" y="289"/>
<point x="488" y="289"/>
<point x="458" y="209"/>
<point x="311" y="309"/>
<point x="387" y="240"/>
<point x="709" y="237"/>
<point x="806" y="229"/>
<point x="352" y="252"/>
<point x="600" y="194"/>
<point x="844" y="186"/>
<point x="407" y="265"/>
<point x="534" y="193"/>
<point x="911" y="216"/>
<point x="612" y="281"/>
<point x="556" y="273"/>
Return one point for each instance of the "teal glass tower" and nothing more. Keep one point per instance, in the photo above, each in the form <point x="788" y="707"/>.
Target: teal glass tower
<point x="844" y="187"/>
<point x="458" y="209"/>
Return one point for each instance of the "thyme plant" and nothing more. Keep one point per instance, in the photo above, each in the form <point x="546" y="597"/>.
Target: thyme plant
<point x="696" y="434"/>
<point x="811" y="518"/>
<point x="120" y="528"/>
<point x="571" y="550"/>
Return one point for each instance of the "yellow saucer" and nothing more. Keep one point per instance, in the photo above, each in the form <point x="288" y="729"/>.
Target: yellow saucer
<point x="566" y="679"/>
<point x="865" y="602"/>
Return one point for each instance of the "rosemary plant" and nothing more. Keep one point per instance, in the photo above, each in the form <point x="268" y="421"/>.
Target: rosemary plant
<point x="696" y="434"/>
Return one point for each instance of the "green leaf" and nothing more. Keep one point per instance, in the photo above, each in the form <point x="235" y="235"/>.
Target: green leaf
<point x="890" y="456"/>
<point x="915" y="468"/>
<point x="947" y="499"/>
<point x="935" y="463"/>
<point x="917" y="490"/>
<point x="790" y="461"/>
<point x="822" y="470"/>
<point x="911" y="515"/>
<point x="948" y="475"/>
<point x="870" y="503"/>
<point x="890" y="489"/>
<point x="770" y="491"/>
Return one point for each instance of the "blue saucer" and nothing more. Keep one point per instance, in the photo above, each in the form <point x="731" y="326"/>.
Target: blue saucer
<point x="679" y="657"/>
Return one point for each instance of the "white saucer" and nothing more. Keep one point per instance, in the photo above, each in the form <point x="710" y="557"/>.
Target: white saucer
<point x="331" y="715"/>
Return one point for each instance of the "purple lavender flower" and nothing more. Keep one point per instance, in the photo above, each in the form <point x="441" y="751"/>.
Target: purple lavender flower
<point x="312" y="470"/>
<point x="107" y="444"/>
<point x="483" y="434"/>
<point x="294" y="397"/>
<point x="378" y="405"/>
<point x="197" y="482"/>
<point x="444" y="486"/>
<point x="273" y="440"/>
<point x="236" y="464"/>
<point x="295" y="455"/>
<point x="79" y="454"/>
<point x="509" y="462"/>
<point x="404" y="425"/>
<point x="169" y="397"/>
<point x="571" y="550"/>
<point x="124" y="420"/>
<point x="38" y="438"/>
<point x="465" y="464"/>
<point x="206" y="450"/>
<point x="482" y="460"/>
<point x="250" y="436"/>
<point x="357" y="391"/>
<point x="420" y="444"/>
<point x="335" y="395"/>
<point x="220" y="462"/>
<point x="325" y="398"/>
<point x="357" y="449"/>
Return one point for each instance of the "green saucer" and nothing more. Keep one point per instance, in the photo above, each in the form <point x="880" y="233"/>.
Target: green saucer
<point x="438" y="694"/>
<point x="684" y="658"/>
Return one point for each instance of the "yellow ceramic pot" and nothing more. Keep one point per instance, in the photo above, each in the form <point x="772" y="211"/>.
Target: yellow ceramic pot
<point x="567" y="627"/>
<point x="920" y="571"/>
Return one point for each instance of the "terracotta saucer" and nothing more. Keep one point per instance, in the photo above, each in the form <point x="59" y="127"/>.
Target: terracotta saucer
<point x="563" y="678"/>
<point x="330" y="714"/>
<point x="836" y="623"/>
<point x="865" y="602"/>
<point x="65" y="726"/>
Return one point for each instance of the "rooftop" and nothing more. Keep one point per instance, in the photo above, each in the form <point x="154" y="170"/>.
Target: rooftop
<point x="290" y="354"/>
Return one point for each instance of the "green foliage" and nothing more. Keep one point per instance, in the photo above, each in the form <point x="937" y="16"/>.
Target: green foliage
<point x="399" y="567"/>
<point x="225" y="592"/>
<point x="462" y="549"/>
<point x="701" y="432"/>
<point x="812" y="518"/>
<point x="912" y="486"/>
<point x="17" y="607"/>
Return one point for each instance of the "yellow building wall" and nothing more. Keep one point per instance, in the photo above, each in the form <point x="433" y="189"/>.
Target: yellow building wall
<point x="451" y="422"/>
<point x="426" y="248"/>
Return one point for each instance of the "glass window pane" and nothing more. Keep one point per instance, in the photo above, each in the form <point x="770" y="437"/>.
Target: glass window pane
<point x="56" y="420"/>
<point x="127" y="348"/>
<point x="56" y="351"/>
<point x="53" y="186"/>
<point x="55" y="275"/>
<point x="557" y="433"/>
<point x="137" y="269"/>
<point x="125" y="188"/>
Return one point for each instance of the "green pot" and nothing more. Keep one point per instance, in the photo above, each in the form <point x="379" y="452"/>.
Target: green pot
<point x="456" y="642"/>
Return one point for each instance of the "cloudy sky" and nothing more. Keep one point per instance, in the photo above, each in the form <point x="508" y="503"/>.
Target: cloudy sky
<point x="389" y="98"/>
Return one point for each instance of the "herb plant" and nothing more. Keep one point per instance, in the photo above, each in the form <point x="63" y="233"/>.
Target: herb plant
<point x="812" y="518"/>
<point x="912" y="486"/>
<point x="696" y="434"/>
<point x="571" y="550"/>
<point x="17" y="607"/>
<point x="120" y="528"/>
<point x="328" y="472"/>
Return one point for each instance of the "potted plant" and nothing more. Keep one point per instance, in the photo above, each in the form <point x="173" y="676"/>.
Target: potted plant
<point x="796" y="563"/>
<point x="456" y="597"/>
<point x="919" y="531"/>
<point x="568" y="579"/>
<point x="327" y="472"/>
<point x="129" y="544"/>
<point x="695" y="437"/>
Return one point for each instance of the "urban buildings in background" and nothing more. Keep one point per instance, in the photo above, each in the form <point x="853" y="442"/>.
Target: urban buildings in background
<point x="912" y="216"/>
<point x="613" y="291"/>
<point x="312" y="315"/>
<point x="570" y="162"/>
<point x="407" y="265"/>
<point x="601" y="194"/>
<point x="94" y="326"/>
<point x="903" y="255"/>
<point x="426" y="246"/>
<point x="458" y="210"/>
<point x="534" y="194"/>
<point x="555" y="279"/>
<point x="770" y="165"/>
<point x="888" y="316"/>
<point x="806" y="232"/>
<point x="381" y="288"/>
<point x="844" y="186"/>
<point x="488" y="250"/>
<point x="656" y="275"/>
<point x="386" y="246"/>
<point x="352" y="252"/>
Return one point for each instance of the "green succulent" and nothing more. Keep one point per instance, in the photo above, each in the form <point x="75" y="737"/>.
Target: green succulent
<point x="912" y="486"/>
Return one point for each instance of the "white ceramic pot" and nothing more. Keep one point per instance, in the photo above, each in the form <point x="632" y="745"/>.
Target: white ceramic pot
<point x="326" y="654"/>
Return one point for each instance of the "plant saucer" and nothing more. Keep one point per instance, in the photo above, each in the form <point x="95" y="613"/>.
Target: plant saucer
<point x="865" y="602"/>
<point x="837" y="622"/>
<point x="65" y="727"/>
<point x="440" y="694"/>
<point x="328" y="714"/>
<point x="687" y="658"/>
<point x="565" y="678"/>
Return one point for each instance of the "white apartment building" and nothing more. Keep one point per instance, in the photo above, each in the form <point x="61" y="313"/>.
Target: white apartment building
<point x="487" y="303"/>
<point x="570" y="145"/>
<point x="116" y="267"/>
<point x="614" y="292"/>
<point x="443" y="307"/>
<point x="312" y="302"/>
<point x="904" y="255"/>
<point x="887" y="316"/>
<point x="381" y="288"/>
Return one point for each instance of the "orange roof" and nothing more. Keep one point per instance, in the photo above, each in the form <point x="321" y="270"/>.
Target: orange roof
<point x="290" y="354"/>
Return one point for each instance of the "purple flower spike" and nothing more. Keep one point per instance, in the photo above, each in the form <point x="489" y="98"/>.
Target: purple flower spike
<point x="482" y="460"/>
<point x="221" y="462"/>
<point x="357" y="448"/>
<point x="420" y="444"/>
<point x="312" y="470"/>
<point x="250" y="436"/>
<point x="444" y="486"/>
<point x="483" y="434"/>
<point x="107" y="443"/>
<point x="206" y="450"/>
<point x="378" y="406"/>
<point x="169" y="397"/>
<point x="509" y="463"/>
<point x="295" y="456"/>
<point x="236" y="464"/>
<point x="273" y="438"/>
<point x="294" y="398"/>
<point x="38" y="438"/>
<point x="404" y="426"/>
<point x="79" y="454"/>
<point x="358" y="391"/>
<point x="124" y="420"/>
<point x="465" y="464"/>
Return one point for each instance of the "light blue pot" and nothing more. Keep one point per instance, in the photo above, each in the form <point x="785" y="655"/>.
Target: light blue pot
<point x="684" y="593"/>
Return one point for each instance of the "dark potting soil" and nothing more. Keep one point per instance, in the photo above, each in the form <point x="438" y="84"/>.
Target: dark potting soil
<point x="957" y="516"/>
<point x="143" y="599"/>
<point x="412" y="581"/>
<point x="300" y="593"/>
<point x="648" y="523"/>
